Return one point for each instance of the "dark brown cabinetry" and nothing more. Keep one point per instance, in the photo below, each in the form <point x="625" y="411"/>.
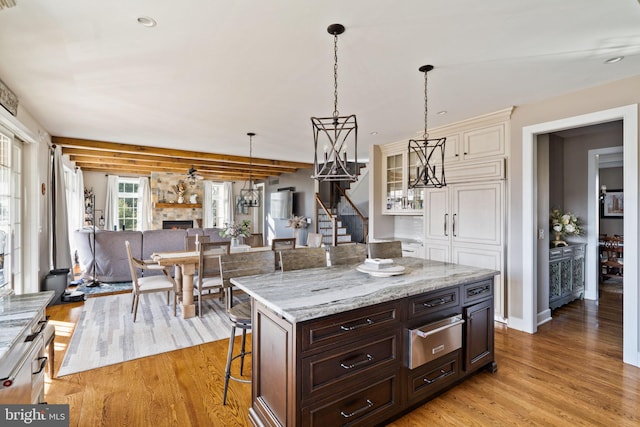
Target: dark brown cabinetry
<point x="352" y="368"/>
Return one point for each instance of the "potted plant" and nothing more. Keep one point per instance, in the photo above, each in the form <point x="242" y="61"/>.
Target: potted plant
<point x="233" y="230"/>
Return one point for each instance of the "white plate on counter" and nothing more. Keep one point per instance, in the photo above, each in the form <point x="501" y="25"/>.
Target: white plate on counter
<point x="382" y="272"/>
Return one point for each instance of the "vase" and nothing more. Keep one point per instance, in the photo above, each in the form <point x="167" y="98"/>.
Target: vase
<point x="180" y="199"/>
<point x="558" y="240"/>
<point x="235" y="241"/>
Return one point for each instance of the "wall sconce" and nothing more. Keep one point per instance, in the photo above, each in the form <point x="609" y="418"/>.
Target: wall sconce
<point x="603" y="192"/>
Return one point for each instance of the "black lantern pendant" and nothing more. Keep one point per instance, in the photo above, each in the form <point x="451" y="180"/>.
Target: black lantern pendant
<point x="250" y="197"/>
<point x="330" y="161"/>
<point x="429" y="152"/>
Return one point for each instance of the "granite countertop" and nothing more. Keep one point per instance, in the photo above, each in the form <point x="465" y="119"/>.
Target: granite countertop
<point x="16" y="313"/>
<point x="303" y="295"/>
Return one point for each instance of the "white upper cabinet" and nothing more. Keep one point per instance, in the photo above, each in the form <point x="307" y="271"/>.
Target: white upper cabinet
<point x="399" y="169"/>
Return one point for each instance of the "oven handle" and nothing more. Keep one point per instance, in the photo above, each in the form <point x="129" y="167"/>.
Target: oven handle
<point x="423" y="334"/>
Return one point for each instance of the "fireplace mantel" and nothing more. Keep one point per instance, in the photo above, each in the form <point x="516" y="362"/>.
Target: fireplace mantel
<point x="159" y="205"/>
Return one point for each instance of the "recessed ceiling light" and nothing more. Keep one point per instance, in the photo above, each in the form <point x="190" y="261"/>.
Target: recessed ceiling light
<point x="146" y="21"/>
<point x="374" y="133"/>
<point x="614" y="60"/>
<point x="442" y="113"/>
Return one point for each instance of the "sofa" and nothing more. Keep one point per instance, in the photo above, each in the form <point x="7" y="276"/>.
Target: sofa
<point x="112" y="264"/>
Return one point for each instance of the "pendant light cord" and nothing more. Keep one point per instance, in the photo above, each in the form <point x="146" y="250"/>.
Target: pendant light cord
<point x="335" y="76"/>
<point x="425" y="135"/>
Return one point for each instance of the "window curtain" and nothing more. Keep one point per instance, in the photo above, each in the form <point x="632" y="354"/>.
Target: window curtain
<point x="228" y="203"/>
<point x="207" y="205"/>
<point x="111" y="204"/>
<point x="144" y="204"/>
<point x="59" y="225"/>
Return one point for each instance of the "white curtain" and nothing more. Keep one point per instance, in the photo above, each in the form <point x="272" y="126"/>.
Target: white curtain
<point x="207" y="205"/>
<point x="111" y="204"/>
<point x="59" y="225"/>
<point x="228" y="203"/>
<point x="144" y="204"/>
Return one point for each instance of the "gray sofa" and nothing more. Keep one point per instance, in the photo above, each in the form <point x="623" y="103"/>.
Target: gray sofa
<point x="112" y="264"/>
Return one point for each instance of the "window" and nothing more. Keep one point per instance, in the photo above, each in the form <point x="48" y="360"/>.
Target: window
<point x="10" y="214"/>
<point x="220" y="204"/>
<point x="127" y="203"/>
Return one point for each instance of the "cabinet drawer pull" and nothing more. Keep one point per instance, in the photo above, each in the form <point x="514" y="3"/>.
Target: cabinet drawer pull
<point x="368" y="405"/>
<point x="368" y="358"/>
<point x="479" y="290"/>
<point x="446" y="221"/>
<point x="360" y="325"/>
<point x="43" y="362"/>
<point x="435" y="302"/>
<point x="443" y="374"/>
<point x="43" y="324"/>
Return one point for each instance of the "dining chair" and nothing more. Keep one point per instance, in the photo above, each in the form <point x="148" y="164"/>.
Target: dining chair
<point x="391" y="249"/>
<point x="314" y="240"/>
<point x="237" y="265"/>
<point x="254" y="240"/>
<point x="280" y="244"/>
<point x="347" y="254"/>
<point x="302" y="258"/>
<point x="209" y="278"/>
<point x="611" y="256"/>
<point x="191" y="242"/>
<point x="149" y="284"/>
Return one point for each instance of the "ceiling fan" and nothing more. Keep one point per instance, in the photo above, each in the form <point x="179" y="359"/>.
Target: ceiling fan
<point x="193" y="175"/>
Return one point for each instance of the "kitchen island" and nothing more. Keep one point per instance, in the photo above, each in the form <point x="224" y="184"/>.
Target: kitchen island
<point x="334" y="346"/>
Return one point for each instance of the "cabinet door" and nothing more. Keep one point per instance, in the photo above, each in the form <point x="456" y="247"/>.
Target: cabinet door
<point x="484" y="142"/>
<point x="437" y="252"/>
<point x="478" y="335"/>
<point x="477" y="213"/>
<point x="393" y="172"/>
<point x="437" y="219"/>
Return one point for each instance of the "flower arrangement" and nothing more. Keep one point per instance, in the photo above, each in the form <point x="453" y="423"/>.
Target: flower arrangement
<point x="297" y="222"/>
<point x="236" y="230"/>
<point x="180" y="190"/>
<point x="564" y="223"/>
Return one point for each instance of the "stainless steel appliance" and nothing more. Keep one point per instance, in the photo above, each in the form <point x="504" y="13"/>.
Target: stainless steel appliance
<point x="436" y="339"/>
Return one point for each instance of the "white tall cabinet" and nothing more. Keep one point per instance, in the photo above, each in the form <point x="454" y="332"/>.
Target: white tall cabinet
<point x="464" y="222"/>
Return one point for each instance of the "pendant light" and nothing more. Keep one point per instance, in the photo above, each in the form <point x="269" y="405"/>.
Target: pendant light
<point x="330" y="162"/>
<point x="250" y="197"/>
<point x="429" y="152"/>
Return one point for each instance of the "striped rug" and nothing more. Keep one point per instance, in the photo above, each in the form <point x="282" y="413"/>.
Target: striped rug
<point x="105" y="333"/>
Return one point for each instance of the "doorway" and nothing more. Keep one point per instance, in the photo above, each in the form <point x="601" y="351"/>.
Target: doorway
<point x="629" y="116"/>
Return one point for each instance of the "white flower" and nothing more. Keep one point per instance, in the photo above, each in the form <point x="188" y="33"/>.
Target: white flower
<point x="569" y="228"/>
<point x="557" y="227"/>
<point x="566" y="218"/>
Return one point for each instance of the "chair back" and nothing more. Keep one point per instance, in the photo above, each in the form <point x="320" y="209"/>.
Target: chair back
<point x="347" y="254"/>
<point x="281" y="243"/>
<point x="314" y="240"/>
<point x="612" y="249"/>
<point x="302" y="258"/>
<point x="244" y="264"/>
<point x="385" y="249"/>
<point x="255" y="240"/>
<point x="209" y="258"/>
<point x="190" y="242"/>
<point x="133" y="264"/>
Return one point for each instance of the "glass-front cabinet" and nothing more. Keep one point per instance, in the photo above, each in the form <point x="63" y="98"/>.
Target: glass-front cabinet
<point x="400" y="169"/>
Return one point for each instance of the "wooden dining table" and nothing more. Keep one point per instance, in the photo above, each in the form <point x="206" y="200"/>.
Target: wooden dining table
<point x="186" y="264"/>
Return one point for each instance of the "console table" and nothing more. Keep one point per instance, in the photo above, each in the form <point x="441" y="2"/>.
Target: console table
<point x="566" y="274"/>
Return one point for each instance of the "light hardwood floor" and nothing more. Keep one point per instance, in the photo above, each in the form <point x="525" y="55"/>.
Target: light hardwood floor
<point x="569" y="373"/>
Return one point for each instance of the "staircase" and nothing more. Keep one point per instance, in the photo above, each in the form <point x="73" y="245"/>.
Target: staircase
<point x="325" y="227"/>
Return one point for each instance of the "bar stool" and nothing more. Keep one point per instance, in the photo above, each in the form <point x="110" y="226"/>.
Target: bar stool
<point x="240" y="317"/>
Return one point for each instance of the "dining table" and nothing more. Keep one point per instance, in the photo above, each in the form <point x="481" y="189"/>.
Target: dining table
<point x="186" y="264"/>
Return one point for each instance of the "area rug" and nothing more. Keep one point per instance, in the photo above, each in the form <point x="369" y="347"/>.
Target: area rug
<point x="106" y="334"/>
<point x="104" y="288"/>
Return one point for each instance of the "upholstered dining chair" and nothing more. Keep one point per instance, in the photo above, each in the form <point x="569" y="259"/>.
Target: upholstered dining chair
<point x="611" y="256"/>
<point x="149" y="284"/>
<point x="209" y="279"/>
<point x="237" y="265"/>
<point x="391" y="249"/>
<point x="255" y="240"/>
<point x="314" y="240"/>
<point x="347" y="254"/>
<point x="191" y="242"/>
<point x="302" y="258"/>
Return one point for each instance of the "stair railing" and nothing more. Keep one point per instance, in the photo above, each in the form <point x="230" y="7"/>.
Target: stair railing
<point x="357" y="224"/>
<point x="334" y="220"/>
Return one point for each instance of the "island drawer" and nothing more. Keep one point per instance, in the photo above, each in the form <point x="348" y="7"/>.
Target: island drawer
<point x="477" y="291"/>
<point x="366" y="406"/>
<point x="327" y="372"/>
<point x="434" y="302"/>
<point x="349" y="326"/>
<point x="428" y="379"/>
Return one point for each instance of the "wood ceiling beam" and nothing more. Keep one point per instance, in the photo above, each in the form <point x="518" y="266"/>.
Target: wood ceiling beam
<point x="172" y="153"/>
<point x="145" y="170"/>
<point x="139" y="172"/>
<point x="93" y="156"/>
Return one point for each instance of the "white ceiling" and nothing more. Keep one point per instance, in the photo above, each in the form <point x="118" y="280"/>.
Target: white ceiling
<point x="212" y="70"/>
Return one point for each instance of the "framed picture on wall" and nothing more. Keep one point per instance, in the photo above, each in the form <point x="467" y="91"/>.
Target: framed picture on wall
<point x="613" y="204"/>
